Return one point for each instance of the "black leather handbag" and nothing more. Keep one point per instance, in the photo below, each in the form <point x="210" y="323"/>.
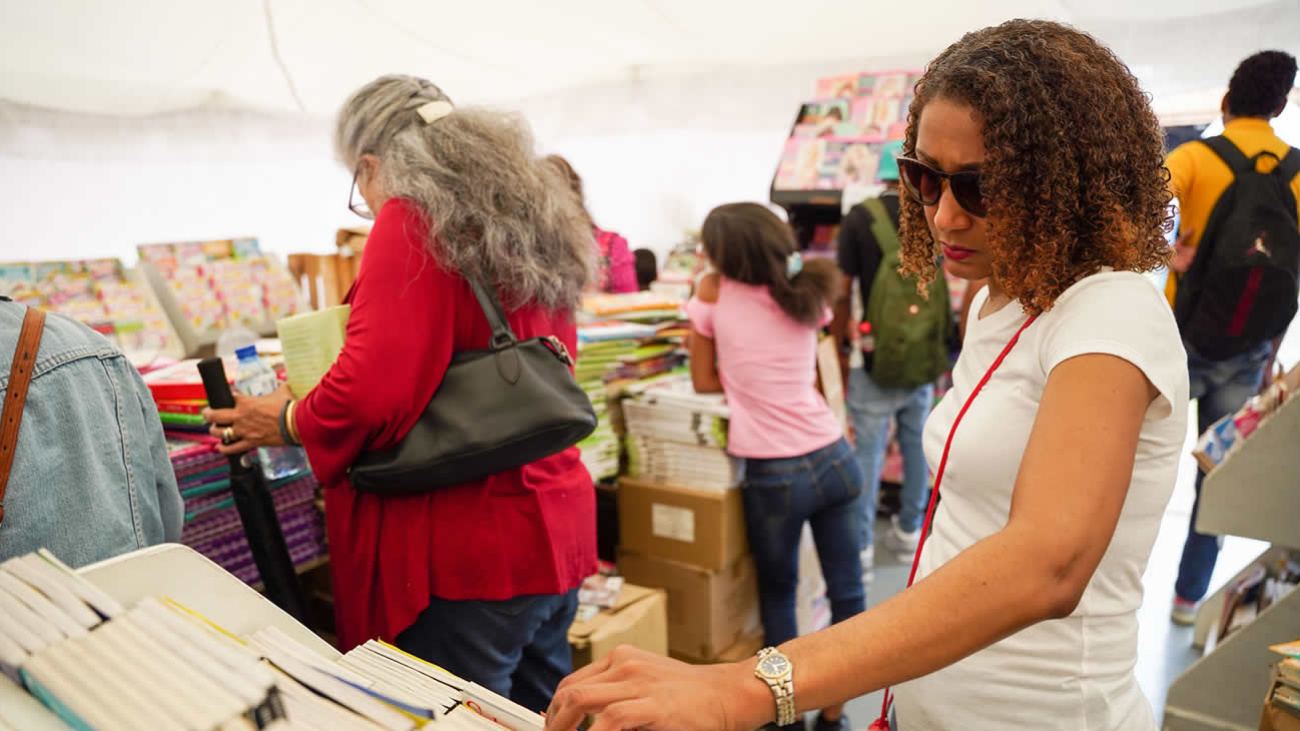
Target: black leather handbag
<point x="496" y="410"/>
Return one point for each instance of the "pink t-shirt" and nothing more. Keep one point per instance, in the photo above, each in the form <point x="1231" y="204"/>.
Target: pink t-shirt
<point x="768" y="366"/>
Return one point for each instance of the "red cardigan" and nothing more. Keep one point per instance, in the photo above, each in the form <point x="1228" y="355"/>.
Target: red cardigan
<point x="527" y="531"/>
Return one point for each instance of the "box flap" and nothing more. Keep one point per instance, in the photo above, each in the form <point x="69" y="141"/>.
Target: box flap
<point x="582" y="634"/>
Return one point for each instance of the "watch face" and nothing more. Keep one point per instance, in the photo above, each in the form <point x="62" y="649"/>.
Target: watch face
<point x="774" y="666"/>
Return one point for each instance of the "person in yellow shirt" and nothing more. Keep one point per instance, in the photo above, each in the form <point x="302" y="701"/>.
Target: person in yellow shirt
<point x="1256" y="94"/>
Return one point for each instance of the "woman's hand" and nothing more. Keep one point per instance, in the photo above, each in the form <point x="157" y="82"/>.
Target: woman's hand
<point x="635" y="689"/>
<point x="254" y="422"/>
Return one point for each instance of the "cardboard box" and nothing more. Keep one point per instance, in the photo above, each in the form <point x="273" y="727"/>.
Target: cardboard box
<point x="639" y="618"/>
<point x="708" y="611"/>
<point x="743" y="650"/>
<point x="704" y="529"/>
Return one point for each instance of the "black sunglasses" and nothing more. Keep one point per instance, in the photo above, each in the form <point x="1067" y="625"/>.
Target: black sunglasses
<point x="925" y="184"/>
<point x="360" y="208"/>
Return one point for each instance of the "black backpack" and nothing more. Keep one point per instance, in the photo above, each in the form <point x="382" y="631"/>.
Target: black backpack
<point x="1242" y="286"/>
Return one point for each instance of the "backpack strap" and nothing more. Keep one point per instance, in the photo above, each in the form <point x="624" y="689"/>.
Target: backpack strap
<point x="20" y="377"/>
<point x="1236" y="161"/>
<point x="1289" y="167"/>
<point x="881" y="227"/>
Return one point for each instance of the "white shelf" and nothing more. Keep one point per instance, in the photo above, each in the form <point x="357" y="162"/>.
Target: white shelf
<point x="179" y="573"/>
<point x="1255" y="492"/>
<point x="1207" y="617"/>
<point x="1224" y="690"/>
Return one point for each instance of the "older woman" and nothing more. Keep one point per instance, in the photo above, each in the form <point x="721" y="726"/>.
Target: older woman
<point x="479" y="578"/>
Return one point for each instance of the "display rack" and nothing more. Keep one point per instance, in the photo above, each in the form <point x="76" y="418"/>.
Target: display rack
<point x="179" y="573"/>
<point x="195" y="343"/>
<point x="1251" y="494"/>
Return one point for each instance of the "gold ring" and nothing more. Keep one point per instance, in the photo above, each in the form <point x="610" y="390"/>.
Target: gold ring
<point x="228" y="436"/>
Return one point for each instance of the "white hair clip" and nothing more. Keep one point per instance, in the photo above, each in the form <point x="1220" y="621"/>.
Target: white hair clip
<point x="431" y="112"/>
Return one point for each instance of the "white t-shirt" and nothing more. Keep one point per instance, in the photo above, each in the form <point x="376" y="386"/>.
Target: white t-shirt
<point x="1076" y="673"/>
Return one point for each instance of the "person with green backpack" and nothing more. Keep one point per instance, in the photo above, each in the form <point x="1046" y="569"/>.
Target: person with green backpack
<point x="904" y="339"/>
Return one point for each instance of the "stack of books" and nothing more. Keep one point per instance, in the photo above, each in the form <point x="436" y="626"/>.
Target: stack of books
<point x="212" y="524"/>
<point x="97" y="664"/>
<point x="613" y="353"/>
<point x="678" y="437"/>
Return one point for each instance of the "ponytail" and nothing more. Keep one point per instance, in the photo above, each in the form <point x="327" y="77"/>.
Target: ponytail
<point x="805" y="296"/>
<point x="749" y="244"/>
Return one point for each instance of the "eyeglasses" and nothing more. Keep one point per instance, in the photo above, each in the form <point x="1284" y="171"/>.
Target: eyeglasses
<point x="361" y="208"/>
<point x="925" y="184"/>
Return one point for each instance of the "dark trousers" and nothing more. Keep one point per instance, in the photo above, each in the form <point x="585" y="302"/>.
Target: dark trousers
<point x="1220" y="388"/>
<point x="517" y="648"/>
<point x="824" y="489"/>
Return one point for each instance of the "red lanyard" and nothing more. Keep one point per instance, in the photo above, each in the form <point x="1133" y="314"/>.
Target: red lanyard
<point x="882" y="723"/>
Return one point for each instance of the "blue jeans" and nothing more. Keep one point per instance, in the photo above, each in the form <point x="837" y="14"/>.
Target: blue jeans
<point x="517" y="648"/>
<point x="822" y="488"/>
<point x="1221" y="388"/>
<point x="872" y="408"/>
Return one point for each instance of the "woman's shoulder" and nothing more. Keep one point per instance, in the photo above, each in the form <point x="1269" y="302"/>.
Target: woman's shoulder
<point x="1111" y="293"/>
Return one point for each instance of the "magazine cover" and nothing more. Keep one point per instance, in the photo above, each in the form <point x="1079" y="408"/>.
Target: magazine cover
<point x="835" y="87"/>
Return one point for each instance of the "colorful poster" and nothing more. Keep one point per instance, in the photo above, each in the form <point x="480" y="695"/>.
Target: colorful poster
<point x="825" y="119"/>
<point x="892" y="85"/>
<point x="838" y="87"/>
<point x="861" y="161"/>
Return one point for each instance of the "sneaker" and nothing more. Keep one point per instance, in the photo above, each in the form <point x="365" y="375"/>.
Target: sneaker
<point x="901" y="543"/>
<point x="1184" y="613"/>
<point x="868" y="557"/>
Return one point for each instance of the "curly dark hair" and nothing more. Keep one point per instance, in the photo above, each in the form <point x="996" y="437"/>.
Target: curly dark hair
<point x="1073" y="175"/>
<point x="1260" y="84"/>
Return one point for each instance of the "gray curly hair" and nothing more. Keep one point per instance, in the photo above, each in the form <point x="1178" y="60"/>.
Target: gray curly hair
<point x="491" y="203"/>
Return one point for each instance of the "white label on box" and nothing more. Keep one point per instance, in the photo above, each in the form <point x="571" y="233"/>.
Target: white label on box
<point x="668" y="521"/>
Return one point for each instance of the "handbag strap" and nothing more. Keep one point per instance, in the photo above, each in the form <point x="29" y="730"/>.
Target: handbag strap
<point x="883" y="721"/>
<point x="20" y="377"/>
<point x="502" y="335"/>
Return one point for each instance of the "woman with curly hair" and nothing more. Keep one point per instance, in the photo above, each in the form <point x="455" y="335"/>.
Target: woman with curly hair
<point x="1032" y="159"/>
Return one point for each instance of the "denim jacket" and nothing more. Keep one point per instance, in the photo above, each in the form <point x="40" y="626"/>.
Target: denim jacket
<point x="91" y="478"/>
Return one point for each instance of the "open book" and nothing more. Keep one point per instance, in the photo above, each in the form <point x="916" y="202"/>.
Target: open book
<point x="312" y="342"/>
<point x="159" y="665"/>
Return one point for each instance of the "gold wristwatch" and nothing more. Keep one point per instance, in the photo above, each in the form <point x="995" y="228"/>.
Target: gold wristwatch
<point x="775" y="670"/>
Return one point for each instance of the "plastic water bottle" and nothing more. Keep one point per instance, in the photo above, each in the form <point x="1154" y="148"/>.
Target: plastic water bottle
<point x="256" y="378"/>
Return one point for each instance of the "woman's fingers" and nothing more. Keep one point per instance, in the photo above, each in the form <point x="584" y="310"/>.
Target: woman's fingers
<point x="218" y="416"/>
<point x="238" y="447"/>
<point x="638" y="713"/>
<point x="573" y="703"/>
<point x="587" y="672"/>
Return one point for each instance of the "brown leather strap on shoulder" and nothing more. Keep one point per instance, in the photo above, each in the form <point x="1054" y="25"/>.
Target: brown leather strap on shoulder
<point x="20" y="377"/>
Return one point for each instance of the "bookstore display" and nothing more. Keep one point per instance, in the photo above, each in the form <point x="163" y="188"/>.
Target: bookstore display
<point x="212" y="525"/>
<point x="836" y="140"/>
<point x="1248" y="492"/>
<point x="1282" y="704"/>
<point x="206" y="287"/>
<point x="97" y="292"/>
<point x="623" y="340"/>
<point x="96" y="662"/>
<point x="1227" y="434"/>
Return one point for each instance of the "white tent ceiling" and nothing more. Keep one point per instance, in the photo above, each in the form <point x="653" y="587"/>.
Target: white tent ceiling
<point x="142" y="57"/>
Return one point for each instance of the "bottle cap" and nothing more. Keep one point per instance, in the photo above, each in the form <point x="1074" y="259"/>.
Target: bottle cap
<point x="247" y="352"/>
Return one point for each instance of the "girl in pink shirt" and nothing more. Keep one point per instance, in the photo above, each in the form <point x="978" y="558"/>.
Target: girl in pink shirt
<point x="754" y="337"/>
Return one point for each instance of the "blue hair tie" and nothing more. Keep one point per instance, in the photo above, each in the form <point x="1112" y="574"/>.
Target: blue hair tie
<point x="793" y="265"/>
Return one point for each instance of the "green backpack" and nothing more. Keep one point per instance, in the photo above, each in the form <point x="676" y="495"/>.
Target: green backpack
<point x="910" y="331"/>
